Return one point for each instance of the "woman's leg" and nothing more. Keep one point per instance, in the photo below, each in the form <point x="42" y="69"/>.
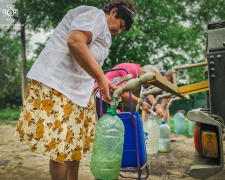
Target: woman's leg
<point x="73" y="169"/>
<point x="58" y="171"/>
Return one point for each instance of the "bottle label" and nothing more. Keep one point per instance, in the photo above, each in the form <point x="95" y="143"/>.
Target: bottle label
<point x="146" y="137"/>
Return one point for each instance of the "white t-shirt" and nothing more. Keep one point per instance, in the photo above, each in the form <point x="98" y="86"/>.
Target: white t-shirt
<point x="55" y="66"/>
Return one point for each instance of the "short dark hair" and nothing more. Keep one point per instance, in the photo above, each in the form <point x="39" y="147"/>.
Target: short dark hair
<point x="125" y="10"/>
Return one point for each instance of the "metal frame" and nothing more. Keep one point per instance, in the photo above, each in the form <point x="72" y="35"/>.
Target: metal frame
<point x="194" y="88"/>
<point x="206" y="167"/>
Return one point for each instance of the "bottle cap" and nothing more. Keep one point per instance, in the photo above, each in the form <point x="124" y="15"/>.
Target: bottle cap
<point x="163" y="122"/>
<point x="111" y="111"/>
<point x="151" y="117"/>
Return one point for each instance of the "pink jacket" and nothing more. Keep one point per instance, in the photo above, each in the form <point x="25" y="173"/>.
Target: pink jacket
<point x="116" y="76"/>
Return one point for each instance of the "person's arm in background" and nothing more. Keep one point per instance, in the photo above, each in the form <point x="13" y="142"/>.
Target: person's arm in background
<point x="77" y="42"/>
<point x="145" y="106"/>
<point x="163" y="106"/>
<point x="158" y="109"/>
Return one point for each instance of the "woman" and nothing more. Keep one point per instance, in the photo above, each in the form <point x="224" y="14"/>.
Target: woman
<point x="58" y="115"/>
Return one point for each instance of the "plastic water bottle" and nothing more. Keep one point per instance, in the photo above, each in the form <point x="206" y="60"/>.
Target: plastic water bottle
<point x="108" y="146"/>
<point x="151" y="131"/>
<point x="164" y="138"/>
<point x="179" y="127"/>
<point x="191" y="125"/>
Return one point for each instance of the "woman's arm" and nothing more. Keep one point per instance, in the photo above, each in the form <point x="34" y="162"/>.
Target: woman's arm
<point x="163" y="105"/>
<point x="77" y="42"/>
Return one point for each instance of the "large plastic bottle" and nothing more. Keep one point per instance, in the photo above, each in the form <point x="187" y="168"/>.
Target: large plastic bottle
<point x="164" y="138"/>
<point x="179" y="127"/>
<point x="152" y="131"/>
<point x="108" y="146"/>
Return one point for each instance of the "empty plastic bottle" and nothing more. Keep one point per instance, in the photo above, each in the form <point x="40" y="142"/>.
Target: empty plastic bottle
<point x="164" y="138"/>
<point x="108" y="146"/>
<point x="191" y="125"/>
<point x="152" y="131"/>
<point x="179" y="127"/>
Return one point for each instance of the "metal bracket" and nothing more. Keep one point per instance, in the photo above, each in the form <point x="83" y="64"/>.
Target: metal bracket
<point x="203" y="167"/>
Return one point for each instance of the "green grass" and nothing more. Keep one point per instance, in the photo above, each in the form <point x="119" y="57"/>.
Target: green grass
<point x="9" y="115"/>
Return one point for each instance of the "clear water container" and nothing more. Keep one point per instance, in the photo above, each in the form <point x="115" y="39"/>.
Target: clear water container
<point x="152" y="132"/>
<point x="108" y="147"/>
<point x="164" y="138"/>
<point x="179" y="126"/>
<point x="191" y="125"/>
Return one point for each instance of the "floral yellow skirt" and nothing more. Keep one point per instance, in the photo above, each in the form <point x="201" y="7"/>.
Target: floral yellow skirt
<point x="51" y="125"/>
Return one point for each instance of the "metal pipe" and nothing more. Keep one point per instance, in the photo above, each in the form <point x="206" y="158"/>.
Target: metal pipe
<point x="190" y="66"/>
<point x="169" y="103"/>
<point x="154" y="90"/>
<point x="174" y="70"/>
<point x="132" y="84"/>
<point x="171" y="100"/>
<point x="166" y="95"/>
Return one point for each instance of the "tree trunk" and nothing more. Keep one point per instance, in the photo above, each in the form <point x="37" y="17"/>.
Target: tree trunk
<point x="24" y="61"/>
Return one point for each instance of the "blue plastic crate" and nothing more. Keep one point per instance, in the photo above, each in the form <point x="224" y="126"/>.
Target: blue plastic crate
<point x="129" y="158"/>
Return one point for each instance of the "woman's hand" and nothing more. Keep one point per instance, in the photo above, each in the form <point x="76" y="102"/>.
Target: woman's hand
<point x="145" y="106"/>
<point x="159" y="110"/>
<point x="103" y="87"/>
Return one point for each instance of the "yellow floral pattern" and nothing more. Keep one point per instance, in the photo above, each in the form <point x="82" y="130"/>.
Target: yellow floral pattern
<point x="37" y="103"/>
<point x="51" y="125"/>
<point x="57" y="124"/>
<point x="47" y="105"/>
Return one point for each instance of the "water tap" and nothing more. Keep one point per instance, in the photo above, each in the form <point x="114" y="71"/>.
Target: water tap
<point x="131" y="85"/>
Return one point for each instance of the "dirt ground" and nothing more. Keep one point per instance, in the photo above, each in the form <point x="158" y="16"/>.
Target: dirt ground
<point x="17" y="163"/>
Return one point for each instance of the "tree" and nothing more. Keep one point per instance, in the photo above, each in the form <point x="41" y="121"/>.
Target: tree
<point x="10" y="70"/>
<point x="165" y="33"/>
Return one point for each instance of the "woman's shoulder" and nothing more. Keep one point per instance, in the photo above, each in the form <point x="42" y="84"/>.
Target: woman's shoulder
<point x="85" y="9"/>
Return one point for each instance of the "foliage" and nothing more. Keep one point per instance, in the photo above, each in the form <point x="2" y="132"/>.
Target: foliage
<point x="10" y="92"/>
<point x="165" y="33"/>
<point x="10" y="113"/>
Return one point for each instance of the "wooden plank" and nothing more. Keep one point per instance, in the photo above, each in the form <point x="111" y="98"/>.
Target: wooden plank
<point x="162" y="83"/>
